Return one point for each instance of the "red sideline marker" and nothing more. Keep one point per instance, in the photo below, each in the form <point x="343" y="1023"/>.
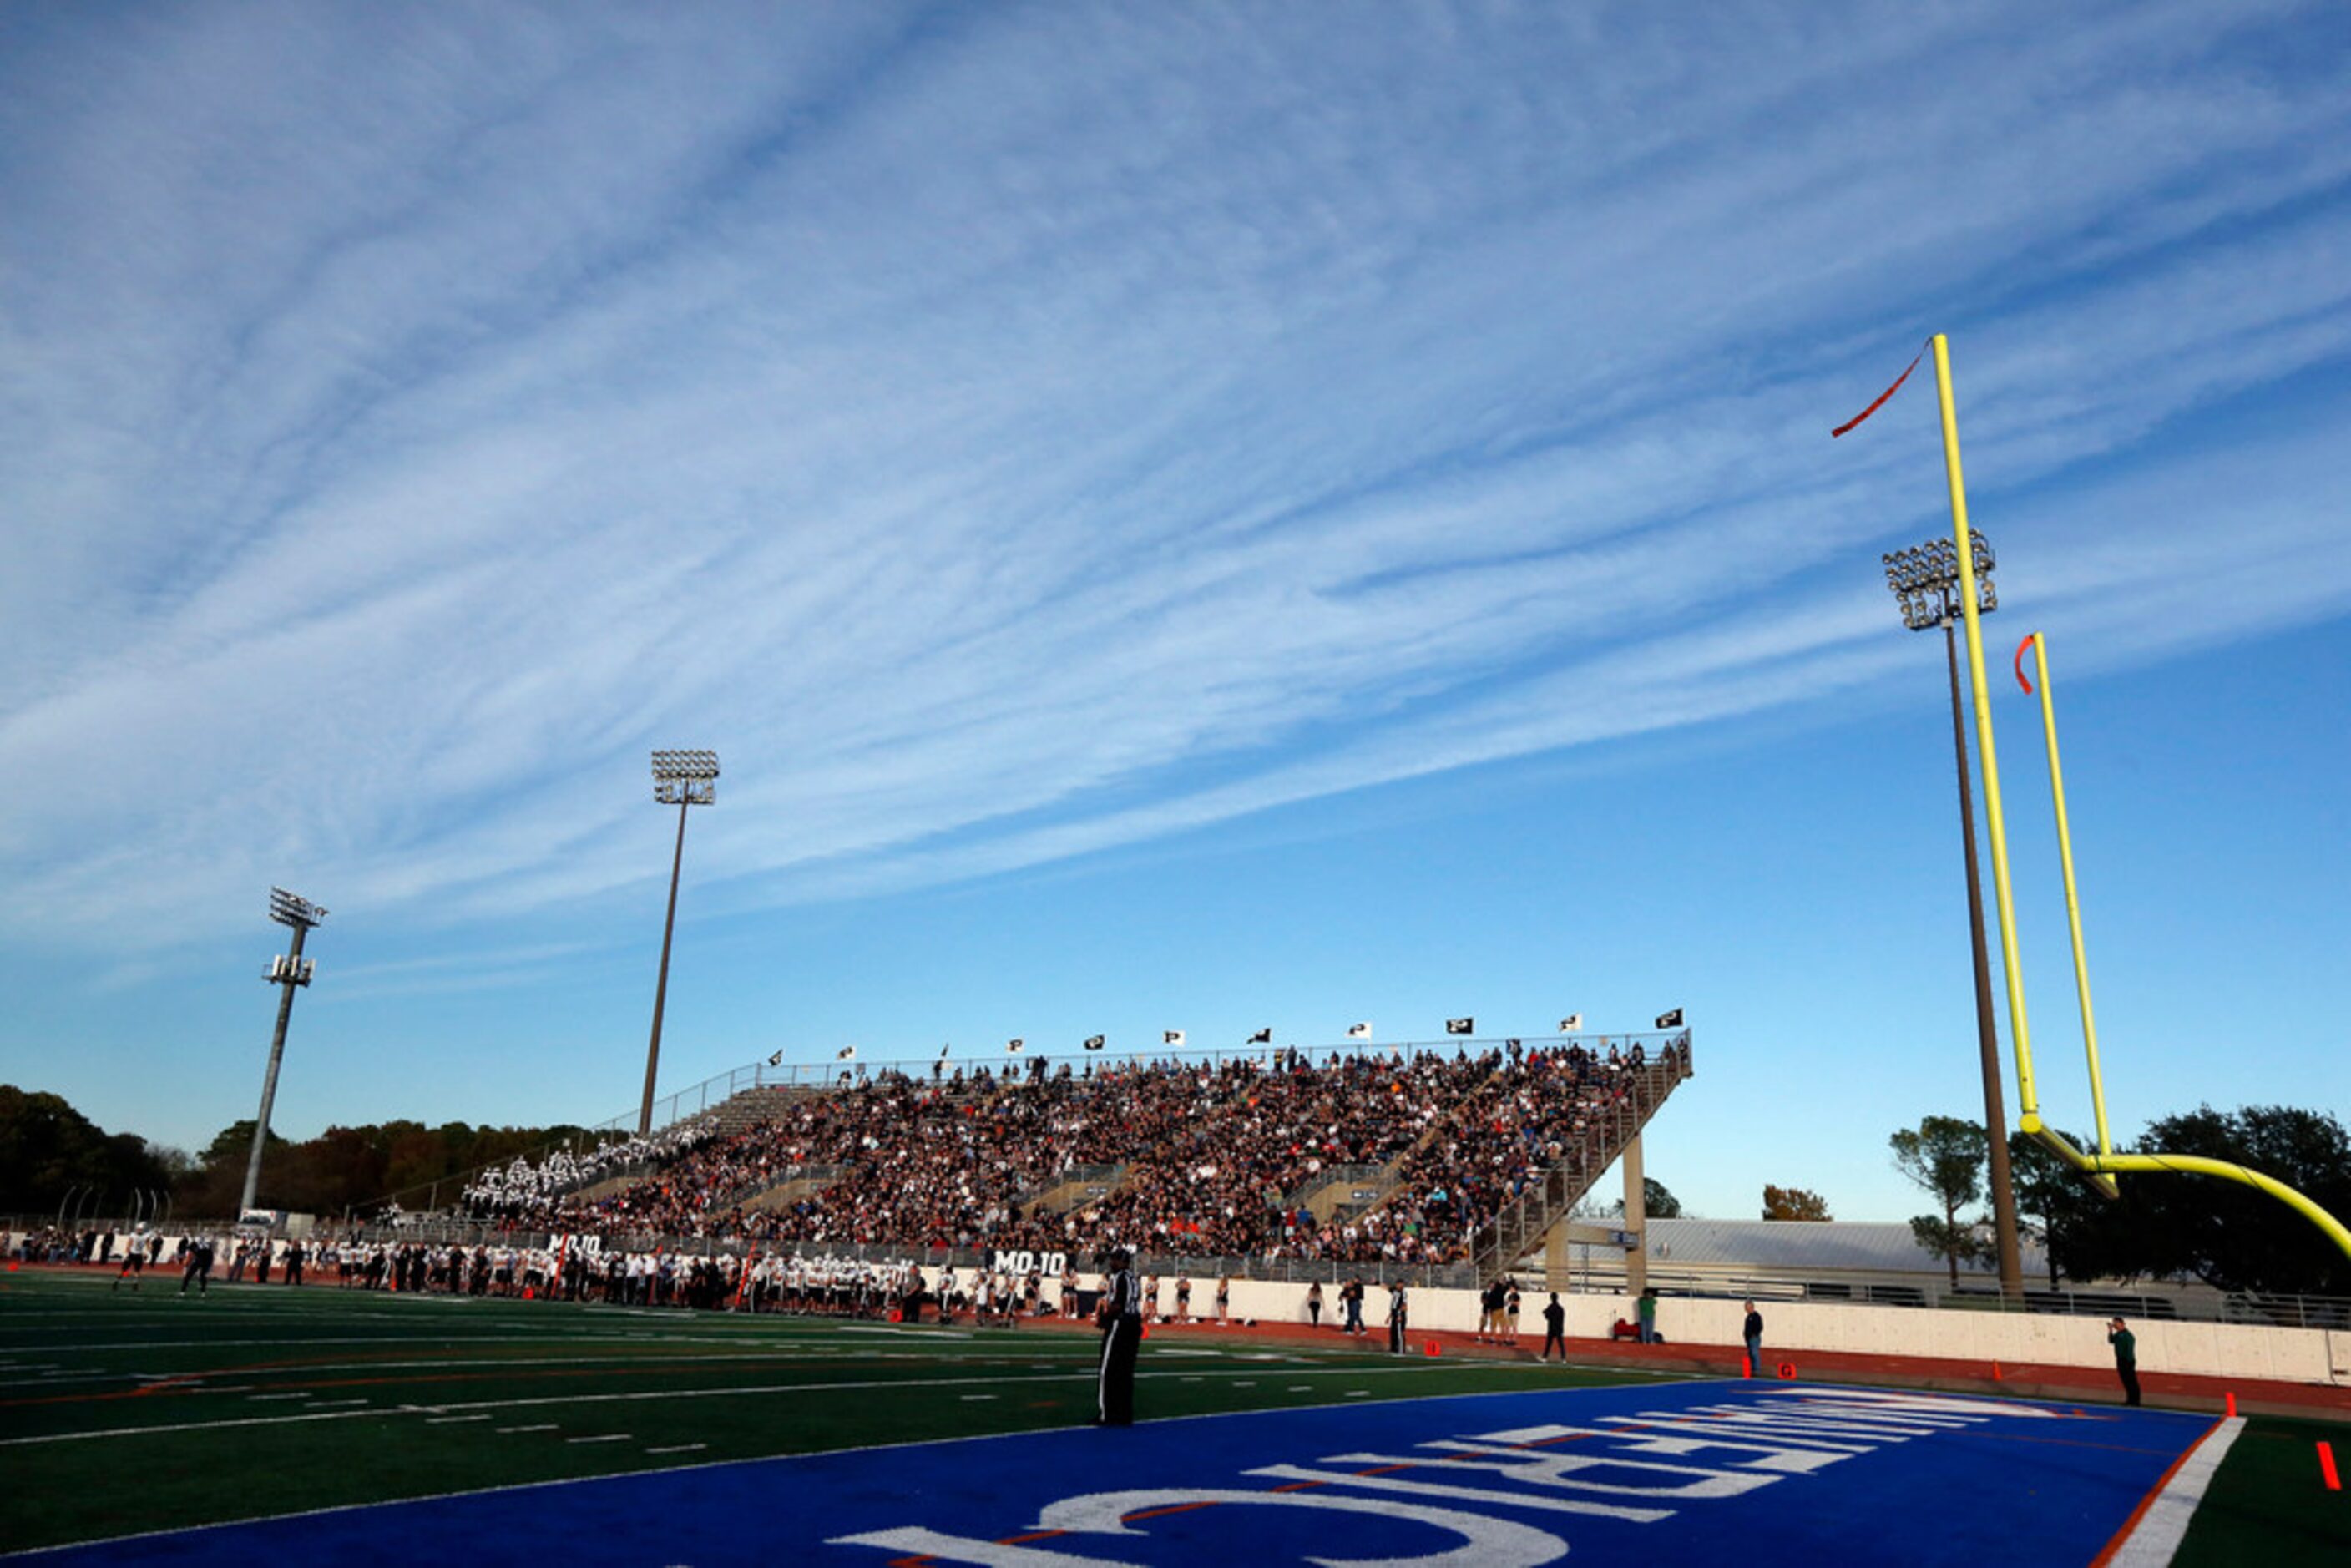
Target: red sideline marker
<point x="2327" y="1467"/>
<point x="1432" y="1348"/>
<point x="1787" y="1372"/>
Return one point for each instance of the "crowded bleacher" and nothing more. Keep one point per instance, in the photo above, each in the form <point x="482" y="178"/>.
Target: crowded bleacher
<point x="1214" y="1159"/>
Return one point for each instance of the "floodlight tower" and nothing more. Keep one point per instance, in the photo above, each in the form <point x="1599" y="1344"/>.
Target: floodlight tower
<point x="1925" y="579"/>
<point x="286" y="973"/>
<point x="681" y="778"/>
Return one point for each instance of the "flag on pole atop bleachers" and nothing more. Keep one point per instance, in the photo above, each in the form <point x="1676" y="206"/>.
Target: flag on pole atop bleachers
<point x="1094" y="1042"/>
<point x="1670" y="1020"/>
<point x="777" y="1060"/>
<point x="1263" y="1037"/>
<point x="1171" y="1037"/>
<point x="846" y="1053"/>
<point x="1460" y="1026"/>
<point x="1361" y="1031"/>
<point x="943" y="1050"/>
<point x="1015" y="1046"/>
<point x="1570" y="1023"/>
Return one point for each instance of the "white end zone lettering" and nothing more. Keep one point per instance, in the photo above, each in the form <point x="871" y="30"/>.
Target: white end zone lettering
<point x="1486" y="1542"/>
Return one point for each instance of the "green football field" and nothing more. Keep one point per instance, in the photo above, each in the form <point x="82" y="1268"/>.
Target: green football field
<point x="124" y="1413"/>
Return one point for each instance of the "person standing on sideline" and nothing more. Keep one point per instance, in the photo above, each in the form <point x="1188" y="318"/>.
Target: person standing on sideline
<point x="1645" y="1309"/>
<point x="1556" y="1329"/>
<point x="1752" y="1332"/>
<point x="1395" y="1317"/>
<point x="2125" y="1345"/>
<point x="1351" y="1297"/>
<point x="1314" y="1305"/>
<point x="1121" y="1315"/>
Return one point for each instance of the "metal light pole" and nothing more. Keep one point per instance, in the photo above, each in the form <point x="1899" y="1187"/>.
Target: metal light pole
<point x="681" y="778"/>
<point x="1925" y="579"/>
<point x="286" y="973"/>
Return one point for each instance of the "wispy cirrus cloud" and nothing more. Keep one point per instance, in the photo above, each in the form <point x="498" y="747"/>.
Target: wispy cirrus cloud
<point x="1005" y="434"/>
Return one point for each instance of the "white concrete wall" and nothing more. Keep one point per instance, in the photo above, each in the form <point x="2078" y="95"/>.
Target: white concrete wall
<point x="2209" y="1350"/>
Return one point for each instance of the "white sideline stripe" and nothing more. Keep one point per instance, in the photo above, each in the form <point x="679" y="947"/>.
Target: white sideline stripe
<point x="444" y="1420"/>
<point x="335" y="1404"/>
<point x="541" y="1426"/>
<point x="607" y="1437"/>
<point x="314" y="1414"/>
<point x="969" y="1397"/>
<point x="2159" y="1529"/>
<point x="679" y="1449"/>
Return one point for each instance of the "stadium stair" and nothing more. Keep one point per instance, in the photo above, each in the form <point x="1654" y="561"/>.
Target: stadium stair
<point x="1522" y="1225"/>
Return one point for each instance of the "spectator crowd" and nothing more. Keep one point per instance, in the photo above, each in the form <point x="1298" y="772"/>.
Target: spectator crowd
<point x="1215" y="1159"/>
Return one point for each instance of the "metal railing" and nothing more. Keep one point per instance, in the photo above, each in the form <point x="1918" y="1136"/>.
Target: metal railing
<point x="1522" y="1223"/>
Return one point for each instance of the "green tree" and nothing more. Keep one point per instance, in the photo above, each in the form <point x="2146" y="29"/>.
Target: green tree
<point x="1793" y="1203"/>
<point x="1943" y="1157"/>
<point x="1656" y="1202"/>
<point x="47" y="1149"/>
<point x="2073" y="1220"/>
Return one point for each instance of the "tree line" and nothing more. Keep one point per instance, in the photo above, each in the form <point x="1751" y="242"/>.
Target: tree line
<point x="2163" y="1226"/>
<point x="48" y="1149"/>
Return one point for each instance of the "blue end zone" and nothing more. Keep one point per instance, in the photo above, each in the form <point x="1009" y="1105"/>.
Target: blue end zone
<point x="1754" y="1474"/>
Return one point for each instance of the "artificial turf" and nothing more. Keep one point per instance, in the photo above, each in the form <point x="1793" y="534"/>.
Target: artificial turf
<point x="124" y="1414"/>
<point x="2269" y="1502"/>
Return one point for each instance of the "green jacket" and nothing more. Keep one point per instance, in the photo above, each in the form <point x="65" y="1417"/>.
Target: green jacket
<point x="2125" y="1346"/>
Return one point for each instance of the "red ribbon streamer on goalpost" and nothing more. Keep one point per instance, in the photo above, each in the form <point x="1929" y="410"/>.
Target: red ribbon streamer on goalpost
<point x="1888" y="393"/>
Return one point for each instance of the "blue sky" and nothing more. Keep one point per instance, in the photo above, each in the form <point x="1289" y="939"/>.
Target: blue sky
<point x="1188" y="517"/>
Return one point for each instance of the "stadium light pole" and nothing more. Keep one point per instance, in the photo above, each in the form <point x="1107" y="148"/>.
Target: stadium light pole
<point x="286" y="973"/>
<point x="1926" y="579"/>
<point x="681" y="778"/>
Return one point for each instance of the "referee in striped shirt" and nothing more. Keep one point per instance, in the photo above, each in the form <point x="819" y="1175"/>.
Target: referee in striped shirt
<point x="1121" y="1316"/>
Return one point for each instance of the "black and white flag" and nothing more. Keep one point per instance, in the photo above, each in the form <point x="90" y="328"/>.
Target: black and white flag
<point x="1361" y="1031"/>
<point x="1263" y="1037"/>
<point x="846" y="1053"/>
<point x="777" y="1060"/>
<point x="1015" y="1046"/>
<point x="1171" y="1037"/>
<point x="1670" y="1020"/>
<point x="1570" y="1023"/>
<point x="943" y="1051"/>
<point x="1094" y="1042"/>
<point x="1460" y="1026"/>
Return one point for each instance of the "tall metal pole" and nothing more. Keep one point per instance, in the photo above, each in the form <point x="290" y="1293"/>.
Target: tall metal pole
<point x="660" y="986"/>
<point x="681" y="778"/>
<point x="2003" y="1188"/>
<point x="289" y="972"/>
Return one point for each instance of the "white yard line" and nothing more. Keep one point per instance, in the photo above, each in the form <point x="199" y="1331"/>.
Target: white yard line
<point x="539" y="1427"/>
<point x="2157" y="1536"/>
<point x="607" y="1437"/>
<point x="680" y="1448"/>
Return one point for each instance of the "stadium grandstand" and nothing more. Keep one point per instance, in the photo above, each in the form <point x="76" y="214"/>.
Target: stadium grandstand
<point x="1399" y="1155"/>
